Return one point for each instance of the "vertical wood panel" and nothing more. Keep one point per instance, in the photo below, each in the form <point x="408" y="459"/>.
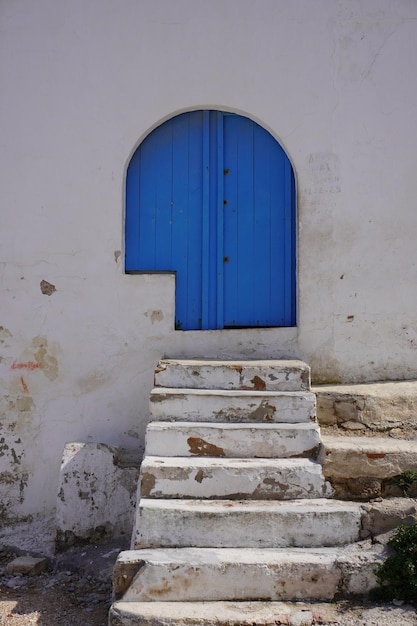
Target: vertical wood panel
<point x="179" y="218"/>
<point x="245" y="311"/>
<point x="277" y="236"/>
<point x="219" y="207"/>
<point x="230" y="217"/>
<point x="206" y="221"/>
<point x="264" y="233"/>
<point x="193" y="249"/>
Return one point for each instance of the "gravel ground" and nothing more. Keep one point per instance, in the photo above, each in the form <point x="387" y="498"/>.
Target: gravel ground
<point x="76" y="591"/>
<point x="76" y="598"/>
<point x="53" y="598"/>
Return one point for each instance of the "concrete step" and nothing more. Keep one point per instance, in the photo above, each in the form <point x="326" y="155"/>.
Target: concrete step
<point x="244" y="574"/>
<point x="246" y="524"/>
<point x="257" y="479"/>
<point x="360" y="467"/>
<point x="220" y="614"/>
<point x="267" y="375"/>
<point x="232" y="440"/>
<point x="202" y="405"/>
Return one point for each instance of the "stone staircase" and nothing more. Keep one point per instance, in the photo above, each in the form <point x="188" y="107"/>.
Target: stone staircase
<point x="233" y="507"/>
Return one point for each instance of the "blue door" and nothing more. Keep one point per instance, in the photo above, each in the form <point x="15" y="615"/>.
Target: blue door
<point x="211" y="197"/>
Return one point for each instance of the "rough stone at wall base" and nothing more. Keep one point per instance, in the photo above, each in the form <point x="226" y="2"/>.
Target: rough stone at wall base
<point x="384" y="408"/>
<point x="362" y="468"/>
<point x="29" y="565"/>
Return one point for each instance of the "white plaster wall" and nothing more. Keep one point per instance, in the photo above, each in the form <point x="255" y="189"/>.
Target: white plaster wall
<point x="82" y="82"/>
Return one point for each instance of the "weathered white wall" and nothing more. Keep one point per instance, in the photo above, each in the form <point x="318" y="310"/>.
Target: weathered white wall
<point x="82" y="82"/>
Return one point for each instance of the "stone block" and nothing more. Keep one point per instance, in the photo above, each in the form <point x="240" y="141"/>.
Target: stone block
<point x="259" y="479"/>
<point x="232" y="440"/>
<point x="265" y="375"/>
<point x="246" y="524"/>
<point x="375" y="407"/>
<point x="359" y="467"/>
<point x="218" y="614"/>
<point x="199" y="574"/>
<point x="97" y="494"/>
<point x="29" y="565"/>
<point x="201" y="405"/>
<point x="382" y="517"/>
<point x="239" y="574"/>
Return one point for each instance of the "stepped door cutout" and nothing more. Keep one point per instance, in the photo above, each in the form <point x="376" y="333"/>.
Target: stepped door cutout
<point x="211" y="197"/>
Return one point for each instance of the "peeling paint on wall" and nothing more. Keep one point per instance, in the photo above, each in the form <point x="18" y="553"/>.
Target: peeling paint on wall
<point x="47" y="363"/>
<point x="325" y="172"/>
<point x="47" y="288"/>
<point x="15" y="422"/>
<point x="27" y="368"/>
<point x="96" y="496"/>
<point x="156" y="316"/>
<point x="94" y="381"/>
<point x="4" y="334"/>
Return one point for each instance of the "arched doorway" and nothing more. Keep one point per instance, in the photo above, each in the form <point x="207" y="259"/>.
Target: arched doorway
<point x="211" y="196"/>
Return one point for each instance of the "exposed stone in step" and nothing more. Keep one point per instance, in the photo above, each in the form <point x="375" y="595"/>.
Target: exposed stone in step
<point x="374" y="407"/>
<point x="359" y="467"/>
<point x="201" y="405"/>
<point x="381" y="517"/>
<point x="266" y="375"/>
<point x="232" y="440"/>
<point x="246" y="524"/>
<point x="217" y="614"/>
<point x="258" y="479"/>
<point x="236" y="574"/>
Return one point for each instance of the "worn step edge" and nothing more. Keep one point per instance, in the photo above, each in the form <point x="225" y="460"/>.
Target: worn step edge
<point x="234" y="478"/>
<point x="232" y="439"/>
<point x="214" y="613"/>
<point x="227" y="393"/>
<point x="274" y="375"/>
<point x="245" y="574"/>
<point x="201" y="405"/>
<point x="247" y="524"/>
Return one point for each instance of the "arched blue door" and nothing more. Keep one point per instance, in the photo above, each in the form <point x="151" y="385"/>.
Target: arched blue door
<point x="211" y="197"/>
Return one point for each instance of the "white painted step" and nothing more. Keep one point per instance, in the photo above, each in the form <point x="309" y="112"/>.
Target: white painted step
<point x="265" y="375"/>
<point x="232" y="440"/>
<point x="219" y="613"/>
<point x="246" y="524"/>
<point x="236" y="574"/>
<point x="259" y="479"/>
<point x="202" y="405"/>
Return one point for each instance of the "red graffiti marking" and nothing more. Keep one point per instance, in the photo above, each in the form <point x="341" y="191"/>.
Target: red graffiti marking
<point x="29" y="365"/>
<point x="24" y="385"/>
